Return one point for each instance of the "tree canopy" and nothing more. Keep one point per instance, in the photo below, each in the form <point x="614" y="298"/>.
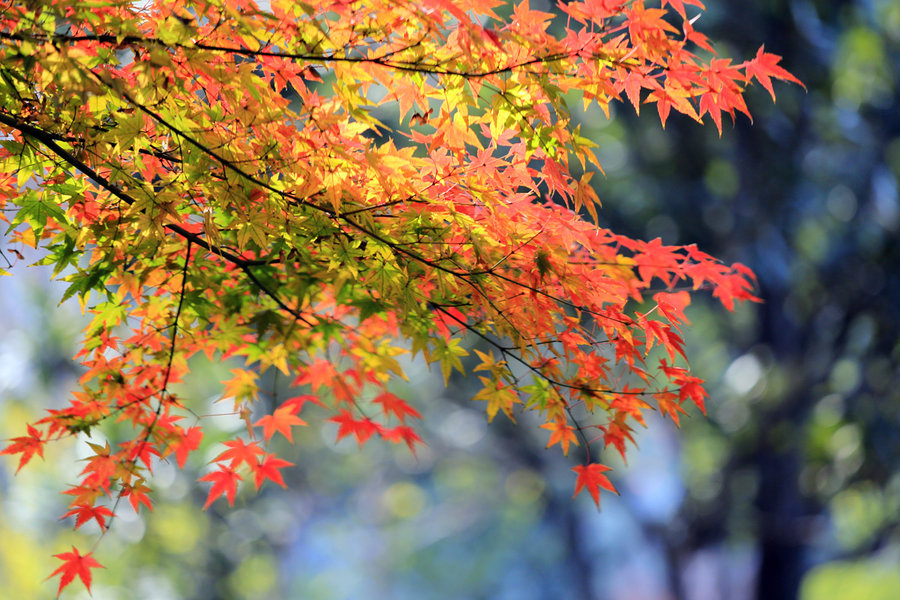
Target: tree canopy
<point x="319" y="188"/>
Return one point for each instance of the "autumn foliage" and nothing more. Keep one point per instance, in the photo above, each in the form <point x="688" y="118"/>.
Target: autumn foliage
<point x="321" y="187"/>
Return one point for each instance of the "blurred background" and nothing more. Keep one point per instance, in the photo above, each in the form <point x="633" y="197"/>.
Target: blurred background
<point x="791" y="488"/>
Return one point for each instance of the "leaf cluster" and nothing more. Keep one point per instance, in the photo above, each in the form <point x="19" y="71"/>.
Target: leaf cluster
<point x="219" y="178"/>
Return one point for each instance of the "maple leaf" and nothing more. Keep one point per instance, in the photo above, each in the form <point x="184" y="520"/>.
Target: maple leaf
<point x="363" y="428"/>
<point x="28" y="445"/>
<point x="224" y="482"/>
<point x="670" y="405"/>
<point x="499" y="396"/>
<point x="85" y="512"/>
<point x="401" y="409"/>
<point x="75" y="564"/>
<point x="764" y="66"/>
<point x="186" y="443"/>
<point x="448" y="5"/>
<point x="101" y="467"/>
<point x="137" y="495"/>
<point x="672" y="305"/>
<point x="405" y="434"/>
<point x="562" y="434"/>
<point x="591" y="478"/>
<point x="239" y="452"/>
<point x="657" y="260"/>
<point x="268" y="468"/>
<point x="616" y="432"/>
<point x="318" y="374"/>
<point x="668" y="339"/>
<point x="85" y="494"/>
<point x="138" y="450"/>
<point x="692" y="387"/>
<point x="281" y="420"/>
<point x="242" y="386"/>
<point x="297" y="402"/>
<point x="679" y="5"/>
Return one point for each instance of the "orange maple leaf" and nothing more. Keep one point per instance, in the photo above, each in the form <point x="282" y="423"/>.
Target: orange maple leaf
<point x="563" y="434"/>
<point x="669" y="405"/>
<point x="281" y="421"/>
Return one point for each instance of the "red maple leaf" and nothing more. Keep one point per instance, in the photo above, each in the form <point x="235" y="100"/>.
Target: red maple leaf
<point x="85" y="512"/>
<point x="399" y="407"/>
<point x="240" y="452"/>
<point x="591" y="477"/>
<point x="141" y="450"/>
<point x="363" y="429"/>
<point x="402" y="433"/>
<point x="297" y="402"/>
<point x="187" y="443"/>
<point x="75" y="563"/>
<point x="616" y="432"/>
<point x="672" y="305"/>
<point x="678" y="5"/>
<point x="268" y="469"/>
<point x="84" y="494"/>
<point x="28" y="445"/>
<point x="764" y="66"/>
<point x="319" y="373"/>
<point x="137" y="495"/>
<point x="657" y="260"/>
<point x="692" y="387"/>
<point x="224" y="482"/>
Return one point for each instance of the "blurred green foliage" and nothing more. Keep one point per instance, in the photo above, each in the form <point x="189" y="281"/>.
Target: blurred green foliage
<point x="869" y="579"/>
